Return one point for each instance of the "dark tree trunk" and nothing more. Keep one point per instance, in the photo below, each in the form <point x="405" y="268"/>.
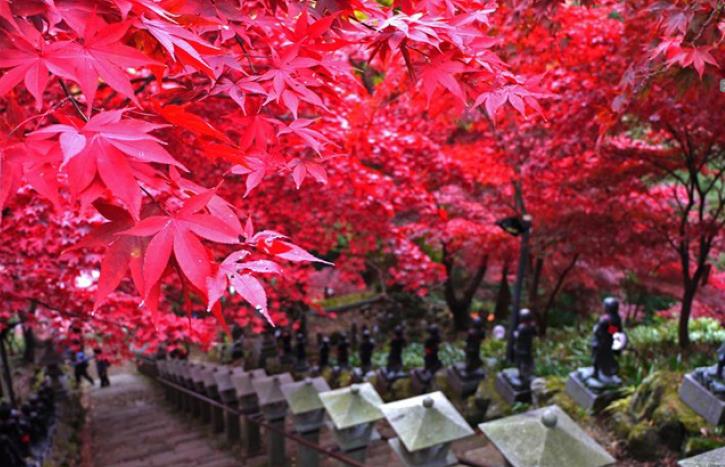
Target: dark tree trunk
<point x="460" y="306"/>
<point x="29" y="335"/>
<point x="534" y="287"/>
<point x="683" y="335"/>
<point x="544" y="318"/>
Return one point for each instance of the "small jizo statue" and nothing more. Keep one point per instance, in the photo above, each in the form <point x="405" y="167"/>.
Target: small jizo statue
<point x="324" y="352"/>
<point x="286" y="339"/>
<point x="237" y="350"/>
<point x="395" y="355"/>
<point x="301" y="349"/>
<point x="524" y="346"/>
<point x="430" y="349"/>
<point x="343" y="354"/>
<point x="608" y="341"/>
<point x="366" y="350"/>
<point x="474" y="337"/>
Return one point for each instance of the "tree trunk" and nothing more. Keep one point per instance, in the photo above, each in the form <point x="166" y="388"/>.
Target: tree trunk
<point x="683" y="335"/>
<point x="29" y="335"/>
<point x="460" y="307"/>
<point x="534" y="287"/>
<point x="544" y="318"/>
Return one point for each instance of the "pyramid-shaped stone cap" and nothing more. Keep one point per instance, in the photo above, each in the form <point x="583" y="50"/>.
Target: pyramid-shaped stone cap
<point x="223" y="379"/>
<point x="304" y="396"/>
<point x="242" y="381"/>
<point x="268" y="388"/>
<point x="182" y="369"/>
<point x="706" y="459"/>
<point x="425" y="421"/>
<point x="196" y="371"/>
<point x="352" y="405"/>
<point x="545" y="436"/>
<point x="208" y="374"/>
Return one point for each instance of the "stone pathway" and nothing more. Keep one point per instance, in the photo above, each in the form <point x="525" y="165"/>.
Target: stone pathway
<point x="130" y="426"/>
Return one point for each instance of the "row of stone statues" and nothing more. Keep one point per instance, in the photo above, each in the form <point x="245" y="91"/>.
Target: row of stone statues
<point x="592" y="387"/>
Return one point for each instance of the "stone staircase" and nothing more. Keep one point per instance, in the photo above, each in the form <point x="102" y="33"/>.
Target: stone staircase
<point x="132" y="427"/>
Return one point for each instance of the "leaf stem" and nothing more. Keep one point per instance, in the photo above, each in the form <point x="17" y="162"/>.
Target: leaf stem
<point x="73" y="100"/>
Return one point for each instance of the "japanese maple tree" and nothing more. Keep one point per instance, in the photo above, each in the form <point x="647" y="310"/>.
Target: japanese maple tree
<point x="98" y="97"/>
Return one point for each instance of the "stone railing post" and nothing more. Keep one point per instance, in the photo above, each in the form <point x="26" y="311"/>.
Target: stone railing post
<point x="308" y="413"/>
<point x="353" y="411"/>
<point x="273" y="405"/>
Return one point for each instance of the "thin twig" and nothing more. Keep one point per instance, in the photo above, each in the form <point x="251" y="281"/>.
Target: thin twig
<point x="73" y="100"/>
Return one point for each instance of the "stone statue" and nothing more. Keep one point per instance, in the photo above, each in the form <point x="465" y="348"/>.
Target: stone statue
<point x="343" y="353"/>
<point x="430" y="350"/>
<point x="474" y="337"/>
<point x="286" y="339"/>
<point x="237" y="349"/>
<point x="721" y="361"/>
<point x="324" y="352"/>
<point x="524" y="347"/>
<point x="301" y="350"/>
<point x="607" y="333"/>
<point x="395" y="355"/>
<point x="366" y="350"/>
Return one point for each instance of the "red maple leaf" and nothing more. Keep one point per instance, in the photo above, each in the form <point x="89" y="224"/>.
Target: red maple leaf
<point x="180" y="233"/>
<point x="102" y="146"/>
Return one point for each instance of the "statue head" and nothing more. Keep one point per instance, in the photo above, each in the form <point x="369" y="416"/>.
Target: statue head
<point x="433" y="330"/>
<point x="611" y="305"/>
<point x="398" y="331"/>
<point x="525" y="315"/>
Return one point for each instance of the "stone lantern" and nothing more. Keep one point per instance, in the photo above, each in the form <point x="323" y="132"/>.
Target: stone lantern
<point x="304" y="404"/>
<point x="273" y="405"/>
<point x="212" y="392"/>
<point x="248" y="406"/>
<point x="228" y="396"/>
<point x="184" y="376"/>
<point x="710" y="458"/>
<point x="426" y="426"/>
<point x="197" y="372"/>
<point x="353" y="411"/>
<point x="545" y="436"/>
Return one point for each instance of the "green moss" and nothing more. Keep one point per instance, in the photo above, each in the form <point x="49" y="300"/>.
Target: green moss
<point x="642" y="442"/>
<point x="697" y="445"/>
<point x="402" y="389"/>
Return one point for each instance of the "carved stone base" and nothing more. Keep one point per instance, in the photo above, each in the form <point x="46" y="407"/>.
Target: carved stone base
<point x="592" y="400"/>
<point x="385" y="378"/>
<point x="359" y="375"/>
<point x="702" y="401"/>
<point x="463" y="382"/>
<point x="510" y="392"/>
<point x="422" y="380"/>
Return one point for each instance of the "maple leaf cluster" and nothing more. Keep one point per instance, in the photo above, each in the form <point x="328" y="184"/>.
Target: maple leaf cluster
<point x="137" y="117"/>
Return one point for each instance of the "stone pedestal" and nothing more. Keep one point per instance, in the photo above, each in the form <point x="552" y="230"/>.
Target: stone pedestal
<point x="701" y="400"/>
<point x="593" y="399"/>
<point x="439" y="456"/>
<point x="421" y="380"/>
<point x="276" y="454"/>
<point x="307" y="456"/>
<point x="464" y="383"/>
<point x="251" y="437"/>
<point x="385" y="378"/>
<point x="508" y="389"/>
